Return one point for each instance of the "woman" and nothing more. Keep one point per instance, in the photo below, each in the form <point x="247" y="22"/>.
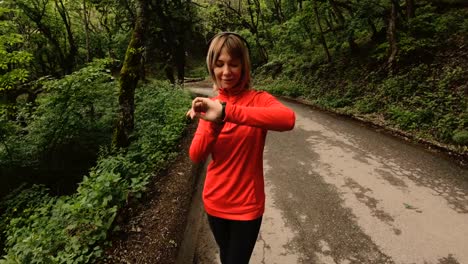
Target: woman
<point x="232" y="128"/>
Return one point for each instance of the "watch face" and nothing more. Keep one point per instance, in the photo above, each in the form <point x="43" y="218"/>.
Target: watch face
<point x="223" y="111"/>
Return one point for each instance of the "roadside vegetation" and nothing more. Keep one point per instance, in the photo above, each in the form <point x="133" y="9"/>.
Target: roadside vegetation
<point x="39" y="226"/>
<point x="85" y="120"/>
<point x="425" y="94"/>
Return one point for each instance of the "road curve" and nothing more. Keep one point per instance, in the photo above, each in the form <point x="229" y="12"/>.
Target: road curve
<point x="340" y="192"/>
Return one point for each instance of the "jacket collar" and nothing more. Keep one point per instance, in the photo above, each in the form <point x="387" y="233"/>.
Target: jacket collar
<point x="235" y="91"/>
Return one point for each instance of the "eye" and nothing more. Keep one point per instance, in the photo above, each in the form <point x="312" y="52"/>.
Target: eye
<point x="219" y="63"/>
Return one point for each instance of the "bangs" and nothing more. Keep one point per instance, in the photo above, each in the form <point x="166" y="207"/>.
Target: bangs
<point x="233" y="47"/>
<point x="236" y="48"/>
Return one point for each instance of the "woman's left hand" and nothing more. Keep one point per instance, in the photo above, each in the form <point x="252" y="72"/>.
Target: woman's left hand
<point x="206" y="109"/>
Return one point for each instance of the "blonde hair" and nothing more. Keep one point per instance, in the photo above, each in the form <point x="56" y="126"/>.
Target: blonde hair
<point x="236" y="47"/>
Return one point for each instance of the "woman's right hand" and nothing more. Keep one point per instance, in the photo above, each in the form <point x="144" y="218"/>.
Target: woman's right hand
<point x="206" y="109"/>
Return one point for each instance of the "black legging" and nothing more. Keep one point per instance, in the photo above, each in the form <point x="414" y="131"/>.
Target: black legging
<point x="236" y="239"/>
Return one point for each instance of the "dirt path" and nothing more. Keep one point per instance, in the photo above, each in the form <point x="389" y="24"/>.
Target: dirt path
<point x="152" y="228"/>
<point x="339" y="192"/>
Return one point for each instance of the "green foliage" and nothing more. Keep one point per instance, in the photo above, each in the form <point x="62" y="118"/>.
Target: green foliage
<point x="46" y="38"/>
<point x="367" y="105"/>
<point x="461" y="137"/>
<point x="333" y="101"/>
<point x="218" y="18"/>
<point x="445" y="125"/>
<point x="428" y="29"/>
<point x="397" y="88"/>
<point x="74" y="113"/>
<point x="13" y="61"/>
<point x="197" y="71"/>
<point x="283" y="87"/>
<point x="8" y="130"/>
<point x="406" y="119"/>
<point x="290" y="37"/>
<point x="65" y="229"/>
<point x="159" y="122"/>
<point x="427" y="100"/>
<point x="72" y="229"/>
<point x="20" y="203"/>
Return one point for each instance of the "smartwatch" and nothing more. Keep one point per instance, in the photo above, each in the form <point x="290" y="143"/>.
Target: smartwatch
<point x="223" y="111"/>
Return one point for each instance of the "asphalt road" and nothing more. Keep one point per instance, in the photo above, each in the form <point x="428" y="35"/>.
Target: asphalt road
<point x="341" y="192"/>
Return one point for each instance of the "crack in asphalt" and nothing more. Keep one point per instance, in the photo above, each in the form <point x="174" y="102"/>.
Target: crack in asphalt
<point x="263" y="248"/>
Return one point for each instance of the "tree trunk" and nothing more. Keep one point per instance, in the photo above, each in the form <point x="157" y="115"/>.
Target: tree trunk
<point x="278" y="13"/>
<point x="129" y="76"/>
<point x="252" y="25"/>
<point x="337" y="12"/>
<point x="169" y="72"/>
<point x="373" y="29"/>
<point x="86" y="28"/>
<point x="322" y="37"/>
<point x="352" y="44"/>
<point x="329" y="22"/>
<point x="410" y="10"/>
<point x="36" y="16"/>
<point x="143" y="66"/>
<point x="281" y="10"/>
<point x="254" y="28"/>
<point x="391" y="35"/>
<point x="180" y="59"/>
<point x="70" y="58"/>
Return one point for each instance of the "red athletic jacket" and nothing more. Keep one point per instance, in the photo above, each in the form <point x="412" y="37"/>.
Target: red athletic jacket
<point x="234" y="185"/>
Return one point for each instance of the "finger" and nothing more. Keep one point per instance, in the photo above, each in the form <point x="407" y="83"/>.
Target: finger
<point x="192" y="114"/>
<point x="200" y="107"/>
<point x="194" y="101"/>
<point x="198" y="115"/>
<point x="202" y="117"/>
<point x="198" y="99"/>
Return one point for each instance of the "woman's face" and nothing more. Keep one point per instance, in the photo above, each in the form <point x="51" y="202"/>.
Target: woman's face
<point x="227" y="70"/>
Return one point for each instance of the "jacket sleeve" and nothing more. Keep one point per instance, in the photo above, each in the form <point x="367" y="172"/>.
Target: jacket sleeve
<point x="204" y="140"/>
<point x="268" y="113"/>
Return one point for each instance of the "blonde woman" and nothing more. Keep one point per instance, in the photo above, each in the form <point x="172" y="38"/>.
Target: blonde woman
<point x="232" y="128"/>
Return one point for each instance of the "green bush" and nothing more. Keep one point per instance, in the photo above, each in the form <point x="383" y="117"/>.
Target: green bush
<point x="395" y="89"/>
<point x="283" y="87"/>
<point x="426" y="94"/>
<point x="333" y="102"/>
<point x="366" y="105"/>
<point x="159" y="122"/>
<point x="72" y="229"/>
<point x="445" y="127"/>
<point x="69" y="229"/>
<point x="197" y="71"/>
<point x="460" y="137"/>
<point x="73" y="115"/>
<point x="406" y="119"/>
<point x="80" y="108"/>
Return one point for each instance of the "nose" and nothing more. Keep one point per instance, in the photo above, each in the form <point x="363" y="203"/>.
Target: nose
<point x="227" y="70"/>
